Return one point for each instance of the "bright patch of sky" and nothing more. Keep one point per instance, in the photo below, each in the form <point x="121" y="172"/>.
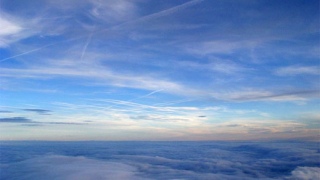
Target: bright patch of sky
<point x="159" y="70"/>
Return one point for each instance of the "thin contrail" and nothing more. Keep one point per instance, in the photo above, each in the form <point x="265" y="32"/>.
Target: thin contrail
<point x="173" y="102"/>
<point x="146" y="95"/>
<point x="142" y="19"/>
<point x="37" y="49"/>
<point x="137" y="98"/>
<point x="85" y="47"/>
<point x="156" y="15"/>
<point x="134" y="105"/>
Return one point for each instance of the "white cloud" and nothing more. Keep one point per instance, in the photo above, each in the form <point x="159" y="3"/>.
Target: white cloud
<point x="8" y="31"/>
<point x="160" y="160"/>
<point x="111" y="11"/>
<point x="217" y="65"/>
<point x="305" y="173"/>
<point x="217" y="47"/>
<point x="106" y="11"/>
<point x="8" y="28"/>
<point x="99" y="75"/>
<point x="257" y="95"/>
<point x="70" y="168"/>
<point x="227" y="68"/>
<point x="15" y="28"/>
<point x="45" y="23"/>
<point x="297" y="70"/>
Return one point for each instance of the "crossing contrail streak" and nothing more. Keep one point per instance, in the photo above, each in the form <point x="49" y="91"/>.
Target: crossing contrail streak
<point x="139" y="20"/>
<point x="38" y="49"/>
<point x="174" y="102"/>
<point x="153" y="92"/>
<point x="156" y="15"/>
<point x="85" y="47"/>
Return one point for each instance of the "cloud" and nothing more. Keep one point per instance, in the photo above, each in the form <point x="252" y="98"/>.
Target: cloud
<point x="39" y="111"/>
<point x="115" y="5"/>
<point x="70" y="168"/>
<point x="8" y="28"/>
<point x="233" y="125"/>
<point x="222" y="66"/>
<point x="5" y="111"/>
<point x="262" y="127"/>
<point x="64" y="123"/>
<point x="30" y="122"/>
<point x="96" y="74"/>
<point x="160" y="118"/>
<point x="160" y="160"/>
<point x="113" y="11"/>
<point x="297" y="70"/>
<point x="19" y="26"/>
<point x="305" y="173"/>
<point x="9" y="32"/>
<point x="85" y="47"/>
<point x="106" y="11"/>
<point x="15" y="120"/>
<point x="217" y="47"/>
<point x="268" y="96"/>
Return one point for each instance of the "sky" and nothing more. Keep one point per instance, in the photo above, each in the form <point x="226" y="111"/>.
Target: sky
<point x="159" y="70"/>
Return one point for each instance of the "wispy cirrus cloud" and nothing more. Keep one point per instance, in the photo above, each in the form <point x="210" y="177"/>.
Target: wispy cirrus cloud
<point x="114" y="11"/>
<point x="297" y="70"/>
<point x="217" y="47"/>
<point x="219" y="66"/>
<point x="105" y="11"/>
<point x="10" y="32"/>
<point x="252" y="95"/>
<point x="122" y="25"/>
<point x="104" y="77"/>
<point x="97" y="74"/>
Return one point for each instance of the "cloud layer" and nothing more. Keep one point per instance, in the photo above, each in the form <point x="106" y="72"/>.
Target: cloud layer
<point x="160" y="160"/>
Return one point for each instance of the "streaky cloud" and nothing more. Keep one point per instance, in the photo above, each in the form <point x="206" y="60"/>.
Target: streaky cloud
<point x="140" y="97"/>
<point x="141" y="19"/>
<point x="2" y="111"/>
<point x="30" y="122"/>
<point x="267" y="96"/>
<point x="297" y="70"/>
<point x="15" y="120"/>
<point x="85" y="47"/>
<point x="39" y="111"/>
<point x="305" y="173"/>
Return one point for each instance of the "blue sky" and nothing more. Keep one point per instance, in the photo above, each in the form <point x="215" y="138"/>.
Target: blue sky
<point x="159" y="70"/>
